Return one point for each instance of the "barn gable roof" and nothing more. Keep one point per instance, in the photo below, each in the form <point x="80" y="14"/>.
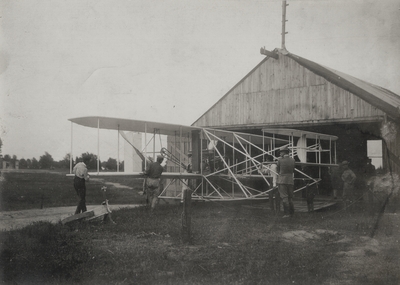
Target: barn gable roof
<point x="227" y="93"/>
<point x="378" y="97"/>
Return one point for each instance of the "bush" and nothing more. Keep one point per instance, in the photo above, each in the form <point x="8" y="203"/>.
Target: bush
<point x="43" y="251"/>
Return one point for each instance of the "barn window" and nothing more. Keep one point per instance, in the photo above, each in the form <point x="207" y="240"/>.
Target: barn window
<point x="374" y="152"/>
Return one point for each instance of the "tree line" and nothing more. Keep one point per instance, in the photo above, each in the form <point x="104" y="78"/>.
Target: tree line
<point x="46" y="161"/>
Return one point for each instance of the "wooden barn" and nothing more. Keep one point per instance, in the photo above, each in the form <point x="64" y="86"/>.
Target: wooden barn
<point x="288" y="91"/>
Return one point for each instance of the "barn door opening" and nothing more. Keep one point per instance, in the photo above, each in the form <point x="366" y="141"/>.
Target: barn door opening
<point x="374" y="152"/>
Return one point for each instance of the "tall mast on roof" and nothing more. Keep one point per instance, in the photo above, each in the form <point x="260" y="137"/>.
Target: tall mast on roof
<point x="284" y="23"/>
<point x="274" y="54"/>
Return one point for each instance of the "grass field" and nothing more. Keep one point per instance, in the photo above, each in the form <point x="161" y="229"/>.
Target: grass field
<point x="23" y="190"/>
<point x="231" y="244"/>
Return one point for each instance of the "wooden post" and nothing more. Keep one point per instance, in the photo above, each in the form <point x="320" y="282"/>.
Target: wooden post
<point x="71" y="157"/>
<point x="196" y="156"/>
<point x="118" y="149"/>
<point x="186" y="216"/>
<point x="98" y="146"/>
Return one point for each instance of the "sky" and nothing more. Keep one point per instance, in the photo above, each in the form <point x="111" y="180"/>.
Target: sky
<point x="164" y="61"/>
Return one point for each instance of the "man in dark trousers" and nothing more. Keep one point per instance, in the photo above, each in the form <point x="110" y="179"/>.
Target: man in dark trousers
<point x="336" y="180"/>
<point x="369" y="177"/>
<point x="274" y="198"/>
<point x="285" y="168"/>
<point x="153" y="181"/>
<point x="81" y="175"/>
<point x="349" y="179"/>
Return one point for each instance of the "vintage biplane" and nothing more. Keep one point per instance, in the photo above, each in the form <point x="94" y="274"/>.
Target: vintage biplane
<point x="218" y="164"/>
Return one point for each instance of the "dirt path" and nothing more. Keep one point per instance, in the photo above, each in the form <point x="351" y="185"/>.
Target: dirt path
<point x="17" y="219"/>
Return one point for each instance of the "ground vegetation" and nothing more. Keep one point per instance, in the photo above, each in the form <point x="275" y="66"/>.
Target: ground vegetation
<point x="230" y="244"/>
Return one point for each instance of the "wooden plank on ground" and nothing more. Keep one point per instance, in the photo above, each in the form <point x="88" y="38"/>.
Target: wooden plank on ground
<point x="99" y="211"/>
<point x="78" y="217"/>
<point x="299" y="205"/>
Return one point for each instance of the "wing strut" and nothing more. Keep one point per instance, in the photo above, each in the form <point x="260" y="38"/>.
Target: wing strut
<point x="136" y="150"/>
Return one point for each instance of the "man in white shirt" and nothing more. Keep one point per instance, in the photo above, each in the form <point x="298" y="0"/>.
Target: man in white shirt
<point x="274" y="197"/>
<point x="285" y="168"/>
<point x="81" y="175"/>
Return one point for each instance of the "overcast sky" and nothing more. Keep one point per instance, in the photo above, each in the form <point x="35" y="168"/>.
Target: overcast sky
<point x="166" y="61"/>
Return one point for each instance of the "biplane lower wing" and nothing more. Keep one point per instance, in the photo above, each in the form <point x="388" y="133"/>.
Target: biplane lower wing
<point x="166" y="175"/>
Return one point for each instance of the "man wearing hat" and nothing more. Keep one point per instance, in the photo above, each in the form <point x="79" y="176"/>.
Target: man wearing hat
<point x="369" y="178"/>
<point x="153" y="181"/>
<point x="285" y="169"/>
<point x="81" y="176"/>
<point x="348" y="178"/>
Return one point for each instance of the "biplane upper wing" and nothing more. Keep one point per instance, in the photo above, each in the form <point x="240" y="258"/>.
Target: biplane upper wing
<point x="132" y="125"/>
<point x="148" y="126"/>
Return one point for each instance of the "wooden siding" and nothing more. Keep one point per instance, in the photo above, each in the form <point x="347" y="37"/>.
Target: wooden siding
<point x="284" y="92"/>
